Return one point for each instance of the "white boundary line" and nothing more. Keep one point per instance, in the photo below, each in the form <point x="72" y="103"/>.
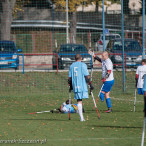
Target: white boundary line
<point x="86" y="139"/>
<point x="124" y="99"/>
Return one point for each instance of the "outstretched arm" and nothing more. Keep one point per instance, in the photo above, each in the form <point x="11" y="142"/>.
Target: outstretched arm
<point x="97" y="58"/>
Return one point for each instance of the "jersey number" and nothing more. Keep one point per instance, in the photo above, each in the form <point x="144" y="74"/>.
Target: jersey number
<point x="75" y="71"/>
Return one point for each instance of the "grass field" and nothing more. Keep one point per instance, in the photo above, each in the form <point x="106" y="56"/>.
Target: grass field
<point x="21" y="94"/>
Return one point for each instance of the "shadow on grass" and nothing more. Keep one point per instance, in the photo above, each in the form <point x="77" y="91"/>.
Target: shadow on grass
<point x="113" y="127"/>
<point x="37" y="119"/>
<point x="114" y="111"/>
<point x="40" y="119"/>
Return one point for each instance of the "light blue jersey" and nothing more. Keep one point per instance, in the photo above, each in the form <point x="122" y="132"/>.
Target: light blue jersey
<point x="77" y="72"/>
<point x="66" y="107"/>
<point x="144" y="85"/>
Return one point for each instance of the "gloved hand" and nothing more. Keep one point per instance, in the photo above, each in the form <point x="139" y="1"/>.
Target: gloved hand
<point x="91" y="87"/>
<point x="103" y="80"/>
<point x="70" y="87"/>
<point x="91" y="53"/>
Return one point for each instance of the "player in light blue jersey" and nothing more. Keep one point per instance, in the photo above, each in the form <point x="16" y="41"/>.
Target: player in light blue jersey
<point x="144" y="89"/>
<point x="78" y="79"/>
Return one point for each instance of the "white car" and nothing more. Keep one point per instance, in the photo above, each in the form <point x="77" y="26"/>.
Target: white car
<point x="99" y="43"/>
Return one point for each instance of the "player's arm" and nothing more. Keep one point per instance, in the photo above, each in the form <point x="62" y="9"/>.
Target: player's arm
<point x="136" y="80"/>
<point x="70" y="79"/>
<point x="95" y="57"/>
<point x="136" y="77"/>
<point x="89" y="82"/>
<point x="106" y="76"/>
<point x="70" y="83"/>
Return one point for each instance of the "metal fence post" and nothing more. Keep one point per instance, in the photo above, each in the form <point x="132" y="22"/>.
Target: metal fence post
<point x="103" y="24"/>
<point x="67" y="31"/>
<point x="123" y="45"/>
<point x="143" y="30"/>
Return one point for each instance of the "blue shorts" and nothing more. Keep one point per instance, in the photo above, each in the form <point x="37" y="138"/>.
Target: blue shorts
<point x="108" y="86"/>
<point x="140" y="91"/>
<point x="81" y="95"/>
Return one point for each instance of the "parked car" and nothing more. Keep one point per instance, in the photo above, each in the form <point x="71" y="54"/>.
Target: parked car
<point x="132" y="49"/>
<point x="66" y="55"/>
<point x="8" y="55"/>
<point x="99" y="40"/>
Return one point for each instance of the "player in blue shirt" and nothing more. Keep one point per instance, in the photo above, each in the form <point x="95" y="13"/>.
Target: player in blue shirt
<point x="78" y="80"/>
<point x="144" y="89"/>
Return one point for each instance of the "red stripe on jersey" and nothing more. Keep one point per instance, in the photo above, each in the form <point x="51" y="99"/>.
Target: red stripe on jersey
<point x="137" y="76"/>
<point x="109" y="71"/>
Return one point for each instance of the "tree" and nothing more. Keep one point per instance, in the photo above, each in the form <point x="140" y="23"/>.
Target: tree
<point x="72" y="6"/>
<point x="6" y="10"/>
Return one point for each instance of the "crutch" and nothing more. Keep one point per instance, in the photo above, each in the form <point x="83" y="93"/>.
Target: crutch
<point x="135" y="99"/>
<point x="98" y="95"/>
<point x="143" y="131"/>
<point x="42" y="112"/>
<point x="91" y="72"/>
<point x="95" y="104"/>
<point x="69" y="102"/>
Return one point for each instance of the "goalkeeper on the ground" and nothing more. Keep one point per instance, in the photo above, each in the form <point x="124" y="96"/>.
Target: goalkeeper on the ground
<point x="65" y="106"/>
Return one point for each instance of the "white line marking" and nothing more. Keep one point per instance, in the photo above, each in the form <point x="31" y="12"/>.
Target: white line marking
<point x="125" y="99"/>
<point x="82" y="139"/>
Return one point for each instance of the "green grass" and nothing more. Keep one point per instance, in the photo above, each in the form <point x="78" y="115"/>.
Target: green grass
<point x="21" y="94"/>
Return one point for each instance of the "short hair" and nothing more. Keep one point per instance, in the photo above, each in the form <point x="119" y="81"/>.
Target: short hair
<point x="67" y="102"/>
<point x="144" y="61"/>
<point x="106" y="53"/>
<point x="78" y="57"/>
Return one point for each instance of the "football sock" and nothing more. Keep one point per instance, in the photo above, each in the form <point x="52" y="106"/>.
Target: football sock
<point x="80" y="111"/>
<point x="108" y="102"/>
<point x="101" y="96"/>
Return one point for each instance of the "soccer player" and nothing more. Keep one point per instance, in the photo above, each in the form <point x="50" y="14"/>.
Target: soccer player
<point x="107" y="78"/>
<point x="64" y="108"/>
<point x="141" y="70"/>
<point x="144" y="90"/>
<point x="79" y="78"/>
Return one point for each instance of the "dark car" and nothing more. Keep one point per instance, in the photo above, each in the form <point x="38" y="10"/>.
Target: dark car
<point x="132" y="49"/>
<point x="9" y="55"/>
<point x="66" y="55"/>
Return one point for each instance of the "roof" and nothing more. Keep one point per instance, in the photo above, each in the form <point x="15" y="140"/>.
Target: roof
<point x="8" y="41"/>
<point x="72" y="44"/>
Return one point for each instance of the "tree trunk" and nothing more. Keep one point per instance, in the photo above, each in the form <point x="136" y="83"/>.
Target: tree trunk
<point x="126" y="7"/>
<point x="6" y="9"/>
<point x="97" y="6"/>
<point x="73" y="24"/>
